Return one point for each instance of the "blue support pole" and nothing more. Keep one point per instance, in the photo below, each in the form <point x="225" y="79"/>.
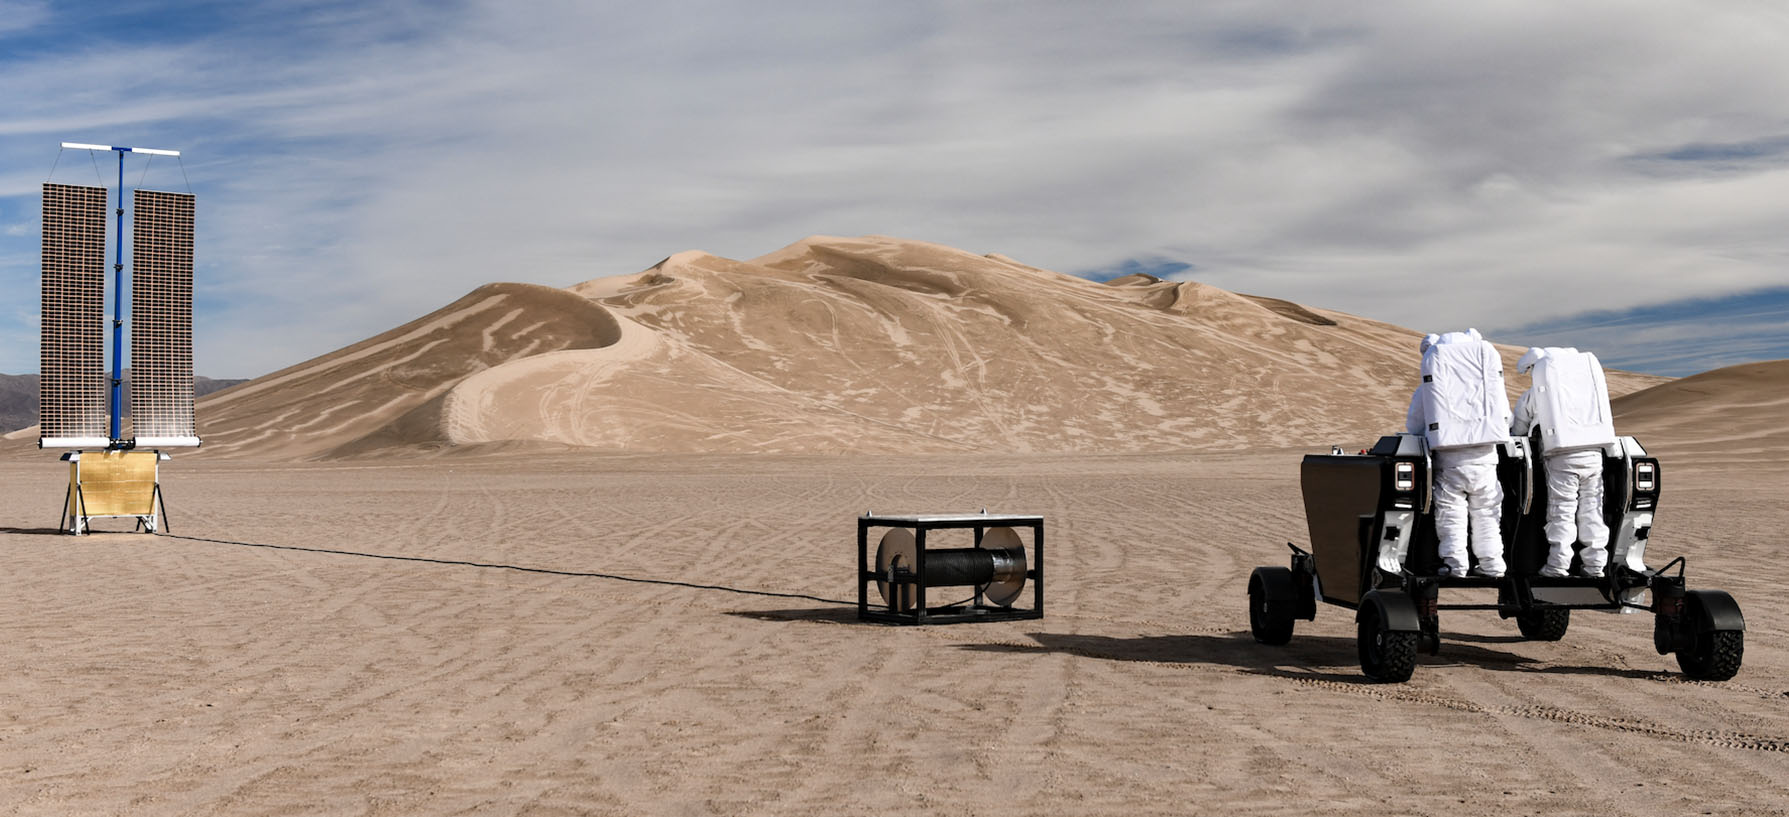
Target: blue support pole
<point x="118" y="312"/>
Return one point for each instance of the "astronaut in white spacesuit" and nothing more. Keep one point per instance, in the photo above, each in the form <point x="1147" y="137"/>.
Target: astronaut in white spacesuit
<point x="1569" y="403"/>
<point x="1462" y="411"/>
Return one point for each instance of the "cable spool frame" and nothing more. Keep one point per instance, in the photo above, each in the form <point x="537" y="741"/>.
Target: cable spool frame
<point x="921" y="612"/>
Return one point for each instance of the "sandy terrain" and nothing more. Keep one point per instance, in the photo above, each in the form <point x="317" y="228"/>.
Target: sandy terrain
<point x="589" y="551"/>
<point x="490" y="635"/>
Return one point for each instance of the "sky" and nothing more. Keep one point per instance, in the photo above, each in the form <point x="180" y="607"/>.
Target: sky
<point x="1609" y="175"/>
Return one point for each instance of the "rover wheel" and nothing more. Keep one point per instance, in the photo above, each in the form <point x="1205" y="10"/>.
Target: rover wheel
<point x="1713" y="656"/>
<point x="1716" y="638"/>
<point x="1385" y="656"/>
<point x="1544" y="624"/>
<point x="1269" y="622"/>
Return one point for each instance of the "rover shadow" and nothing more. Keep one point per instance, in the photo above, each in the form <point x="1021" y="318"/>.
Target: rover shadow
<point x="1313" y="657"/>
<point x="1474" y="638"/>
<point x="1322" y="657"/>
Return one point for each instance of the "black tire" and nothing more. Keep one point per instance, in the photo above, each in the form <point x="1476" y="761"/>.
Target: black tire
<point x="1270" y="623"/>
<point x="1544" y="624"/>
<point x="1713" y="656"/>
<point x="1385" y="656"/>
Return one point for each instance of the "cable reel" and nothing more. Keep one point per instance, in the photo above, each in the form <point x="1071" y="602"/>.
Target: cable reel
<point x="996" y="568"/>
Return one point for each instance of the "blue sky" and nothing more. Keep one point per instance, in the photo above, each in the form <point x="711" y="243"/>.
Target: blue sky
<point x="1605" y="174"/>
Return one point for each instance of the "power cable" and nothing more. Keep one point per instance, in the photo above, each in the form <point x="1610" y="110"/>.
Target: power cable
<point x="517" y="568"/>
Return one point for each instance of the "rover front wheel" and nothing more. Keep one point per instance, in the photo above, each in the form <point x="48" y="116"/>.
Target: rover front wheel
<point x="1712" y="654"/>
<point x="1385" y="655"/>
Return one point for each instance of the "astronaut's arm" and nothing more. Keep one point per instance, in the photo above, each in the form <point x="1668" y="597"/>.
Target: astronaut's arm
<point x="1524" y="417"/>
<point x="1415" y="420"/>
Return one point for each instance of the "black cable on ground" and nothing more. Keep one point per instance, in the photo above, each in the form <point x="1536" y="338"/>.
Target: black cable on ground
<point x="517" y="568"/>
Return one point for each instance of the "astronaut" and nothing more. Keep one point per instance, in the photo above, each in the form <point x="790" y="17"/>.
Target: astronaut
<point x="1569" y="403"/>
<point x="1462" y="411"/>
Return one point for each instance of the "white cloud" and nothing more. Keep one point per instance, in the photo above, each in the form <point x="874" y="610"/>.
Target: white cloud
<point x="1484" y="164"/>
<point x="21" y="15"/>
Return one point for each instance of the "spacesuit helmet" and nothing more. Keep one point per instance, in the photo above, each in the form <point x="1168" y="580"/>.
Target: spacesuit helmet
<point x="1529" y="358"/>
<point x="1536" y="354"/>
<point x="1447" y="337"/>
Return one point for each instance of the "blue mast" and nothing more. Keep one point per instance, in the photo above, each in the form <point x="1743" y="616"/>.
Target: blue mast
<point x="118" y="310"/>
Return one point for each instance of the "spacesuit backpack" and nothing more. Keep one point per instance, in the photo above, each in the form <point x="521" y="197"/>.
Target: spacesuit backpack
<point x="1463" y="395"/>
<point x="1570" y="400"/>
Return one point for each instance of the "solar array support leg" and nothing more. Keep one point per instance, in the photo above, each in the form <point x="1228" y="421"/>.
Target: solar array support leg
<point x="161" y="503"/>
<point x="80" y="520"/>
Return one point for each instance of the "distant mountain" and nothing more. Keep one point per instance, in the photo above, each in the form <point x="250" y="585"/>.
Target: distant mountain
<point x="18" y="397"/>
<point x="18" y="401"/>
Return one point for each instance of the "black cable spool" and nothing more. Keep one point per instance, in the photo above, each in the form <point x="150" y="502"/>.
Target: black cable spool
<point x="996" y="569"/>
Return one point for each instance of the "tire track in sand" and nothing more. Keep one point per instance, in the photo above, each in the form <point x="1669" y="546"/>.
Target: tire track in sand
<point x="1711" y="737"/>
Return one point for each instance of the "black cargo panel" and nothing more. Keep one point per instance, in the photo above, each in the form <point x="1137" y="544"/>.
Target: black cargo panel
<point x="1341" y="495"/>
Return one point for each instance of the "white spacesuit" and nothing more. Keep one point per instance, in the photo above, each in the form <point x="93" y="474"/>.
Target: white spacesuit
<point x="1462" y="411"/>
<point x="1569" y="403"/>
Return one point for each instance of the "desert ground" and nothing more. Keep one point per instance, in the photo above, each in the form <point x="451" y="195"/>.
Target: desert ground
<point x="591" y="550"/>
<point x="581" y="634"/>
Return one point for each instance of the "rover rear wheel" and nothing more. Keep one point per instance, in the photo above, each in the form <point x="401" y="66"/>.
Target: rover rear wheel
<point x="1544" y="624"/>
<point x="1270" y="621"/>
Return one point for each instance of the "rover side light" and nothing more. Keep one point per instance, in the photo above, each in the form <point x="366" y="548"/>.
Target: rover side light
<point x="1404" y="476"/>
<point x="1645" y="477"/>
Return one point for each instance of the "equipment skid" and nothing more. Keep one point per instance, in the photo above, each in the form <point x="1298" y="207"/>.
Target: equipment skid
<point x="1373" y="550"/>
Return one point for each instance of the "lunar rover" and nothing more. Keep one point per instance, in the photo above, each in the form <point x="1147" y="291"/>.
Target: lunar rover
<point x="1373" y="549"/>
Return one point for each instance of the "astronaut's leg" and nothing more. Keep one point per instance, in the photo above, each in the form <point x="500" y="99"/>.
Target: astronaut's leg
<point x="1450" y="519"/>
<point x="1593" y="532"/>
<point x="1562" y="508"/>
<point x="1485" y="506"/>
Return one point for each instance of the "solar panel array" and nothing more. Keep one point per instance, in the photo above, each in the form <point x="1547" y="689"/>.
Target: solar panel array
<point x="72" y="385"/>
<point x="161" y="332"/>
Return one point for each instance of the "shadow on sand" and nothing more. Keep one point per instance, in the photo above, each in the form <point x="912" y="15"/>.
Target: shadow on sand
<point x="833" y="615"/>
<point x="1314" y="657"/>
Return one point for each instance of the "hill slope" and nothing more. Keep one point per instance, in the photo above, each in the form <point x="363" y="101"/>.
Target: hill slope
<point x="836" y="345"/>
<point x="1736" y="414"/>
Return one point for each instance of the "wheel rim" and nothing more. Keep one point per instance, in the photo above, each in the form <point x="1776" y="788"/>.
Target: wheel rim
<point x="1375" y="644"/>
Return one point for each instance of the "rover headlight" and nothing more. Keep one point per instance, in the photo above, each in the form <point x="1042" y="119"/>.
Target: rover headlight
<point x="1404" y="477"/>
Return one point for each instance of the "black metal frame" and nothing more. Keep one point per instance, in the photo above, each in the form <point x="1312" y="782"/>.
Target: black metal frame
<point x="1515" y="594"/>
<point x="973" y="610"/>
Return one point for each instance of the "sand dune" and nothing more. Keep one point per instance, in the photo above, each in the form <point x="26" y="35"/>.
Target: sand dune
<point x="834" y="345"/>
<point x="388" y="389"/>
<point x="1736" y="414"/>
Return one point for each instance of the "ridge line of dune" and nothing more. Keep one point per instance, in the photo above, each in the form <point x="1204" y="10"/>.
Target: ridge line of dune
<point x="460" y="404"/>
<point x="368" y="347"/>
